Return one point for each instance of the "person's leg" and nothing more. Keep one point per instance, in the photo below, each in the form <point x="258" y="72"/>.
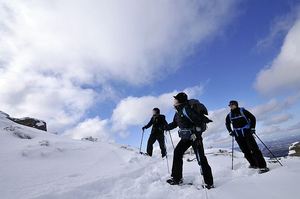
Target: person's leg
<point x="179" y="150"/>
<point x="202" y="160"/>
<point x="256" y="153"/>
<point x="162" y="145"/>
<point x="241" y="140"/>
<point x="151" y="140"/>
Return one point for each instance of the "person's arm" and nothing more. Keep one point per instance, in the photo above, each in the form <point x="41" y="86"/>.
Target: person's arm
<point x="252" y="119"/>
<point x="228" y="124"/>
<point x="164" y="120"/>
<point x="172" y="125"/>
<point x="149" y="124"/>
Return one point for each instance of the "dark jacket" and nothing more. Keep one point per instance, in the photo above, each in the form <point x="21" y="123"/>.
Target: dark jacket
<point x="183" y="122"/>
<point x="158" y="122"/>
<point x="240" y="121"/>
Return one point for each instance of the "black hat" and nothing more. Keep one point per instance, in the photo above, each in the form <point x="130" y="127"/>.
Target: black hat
<point x="156" y="110"/>
<point x="233" y="102"/>
<point x="181" y="97"/>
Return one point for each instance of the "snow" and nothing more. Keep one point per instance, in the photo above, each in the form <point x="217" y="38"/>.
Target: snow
<point x="49" y="166"/>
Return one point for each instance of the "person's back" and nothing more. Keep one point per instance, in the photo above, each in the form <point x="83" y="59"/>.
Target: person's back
<point x="159" y="121"/>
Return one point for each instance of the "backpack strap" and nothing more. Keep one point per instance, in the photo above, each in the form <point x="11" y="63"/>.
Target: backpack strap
<point x="186" y="115"/>
<point x="242" y="115"/>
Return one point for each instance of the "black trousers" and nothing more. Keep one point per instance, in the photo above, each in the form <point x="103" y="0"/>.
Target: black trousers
<point x="181" y="147"/>
<point x="251" y="150"/>
<point x="160" y="137"/>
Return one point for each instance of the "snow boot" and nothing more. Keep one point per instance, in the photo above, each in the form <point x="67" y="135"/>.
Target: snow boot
<point x="173" y="181"/>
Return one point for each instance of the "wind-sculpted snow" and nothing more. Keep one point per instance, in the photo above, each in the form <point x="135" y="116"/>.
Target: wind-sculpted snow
<point x="49" y="166"/>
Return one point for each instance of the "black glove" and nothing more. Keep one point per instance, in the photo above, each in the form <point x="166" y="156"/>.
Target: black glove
<point x="252" y="131"/>
<point x="231" y="133"/>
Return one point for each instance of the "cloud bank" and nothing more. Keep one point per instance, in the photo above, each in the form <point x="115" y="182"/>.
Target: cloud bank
<point x="54" y="53"/>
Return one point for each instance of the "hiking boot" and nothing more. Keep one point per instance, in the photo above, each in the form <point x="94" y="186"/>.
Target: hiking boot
<point x="263" y="170"/>
<point x="206" y="186"/>
<point x="173" y="181"/>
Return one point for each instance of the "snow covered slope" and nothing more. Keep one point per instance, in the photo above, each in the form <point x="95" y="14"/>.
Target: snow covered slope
<point x="35" y="164"/>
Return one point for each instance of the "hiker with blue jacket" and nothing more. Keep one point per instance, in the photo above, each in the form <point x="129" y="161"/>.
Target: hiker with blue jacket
<point x="243" y="123"/>
<point x="191" y="125"/>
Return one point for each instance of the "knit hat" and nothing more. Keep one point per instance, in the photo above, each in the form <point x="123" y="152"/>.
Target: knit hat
<point x="233" y="102"/>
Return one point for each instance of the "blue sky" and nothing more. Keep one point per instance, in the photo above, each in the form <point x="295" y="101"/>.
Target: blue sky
<point x="101" y="73"/>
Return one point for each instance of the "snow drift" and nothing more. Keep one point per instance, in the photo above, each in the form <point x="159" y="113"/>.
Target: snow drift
<point x="39" y="165"/>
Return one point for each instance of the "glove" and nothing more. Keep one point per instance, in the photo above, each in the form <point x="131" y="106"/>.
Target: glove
<point x="231" y="133"/>
<point x="252" y="131"/>
<point x="193" y="137"/>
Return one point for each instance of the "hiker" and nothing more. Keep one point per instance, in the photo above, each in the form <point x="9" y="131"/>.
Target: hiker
<point x="243" y="123"/>
<point x="157" y="122"/>
<point x="191" y="126"/>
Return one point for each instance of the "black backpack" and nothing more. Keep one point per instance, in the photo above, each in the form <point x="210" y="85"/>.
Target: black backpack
<point x="201" y="110"/>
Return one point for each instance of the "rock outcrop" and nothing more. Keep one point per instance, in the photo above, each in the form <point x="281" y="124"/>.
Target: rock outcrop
<point x="27" y="121"/>
<point x="294" y="149"/>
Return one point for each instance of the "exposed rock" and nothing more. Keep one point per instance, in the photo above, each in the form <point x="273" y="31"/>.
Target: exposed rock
<point x="27" y="121"/>
<point x="90" y="138"/>
<point x="294" y="149"/>
<point x="31" y="122"/>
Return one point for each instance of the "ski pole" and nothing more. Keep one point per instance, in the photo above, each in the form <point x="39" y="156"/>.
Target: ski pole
<point x="171" y="140"/>
<point x="232" y="146"/>
<point x="268" y="150"/>
<point x="141" y="142"/>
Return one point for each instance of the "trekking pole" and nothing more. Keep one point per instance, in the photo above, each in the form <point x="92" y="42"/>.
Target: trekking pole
<point x="141" y="142"/>
<point x="268" y="150"/>
<point x="232" y="146"/>
<point x="167" y="156"/>
<point x="171" y="140"/>
<point x="201" y="171"/>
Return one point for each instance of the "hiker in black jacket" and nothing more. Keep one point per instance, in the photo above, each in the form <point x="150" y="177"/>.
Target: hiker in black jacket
<point x="243" y="123"/>
<point x="187" y="120"/>
<point x="157" y="122"/>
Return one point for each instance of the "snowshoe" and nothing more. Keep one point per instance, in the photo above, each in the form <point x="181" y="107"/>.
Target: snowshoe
<point x="205" y="186"/>
<point x="173" y="181"/>
<point x="263" y="170"/>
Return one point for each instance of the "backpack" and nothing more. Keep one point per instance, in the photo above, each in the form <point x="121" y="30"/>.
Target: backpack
<point x="198" y="107"/>
<point x="201" y="110"/>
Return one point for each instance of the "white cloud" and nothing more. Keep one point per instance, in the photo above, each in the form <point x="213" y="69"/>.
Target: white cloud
<point x="52" y="99"/>
<point x="279" y="28"/>
<point x="133" y="111"/>
<point x="277" y="119"/>
<point x="51" y="51"/>
<point x="131" y="40"/>
<point x="94" y="127"/>
<point x="284" y="72"/>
